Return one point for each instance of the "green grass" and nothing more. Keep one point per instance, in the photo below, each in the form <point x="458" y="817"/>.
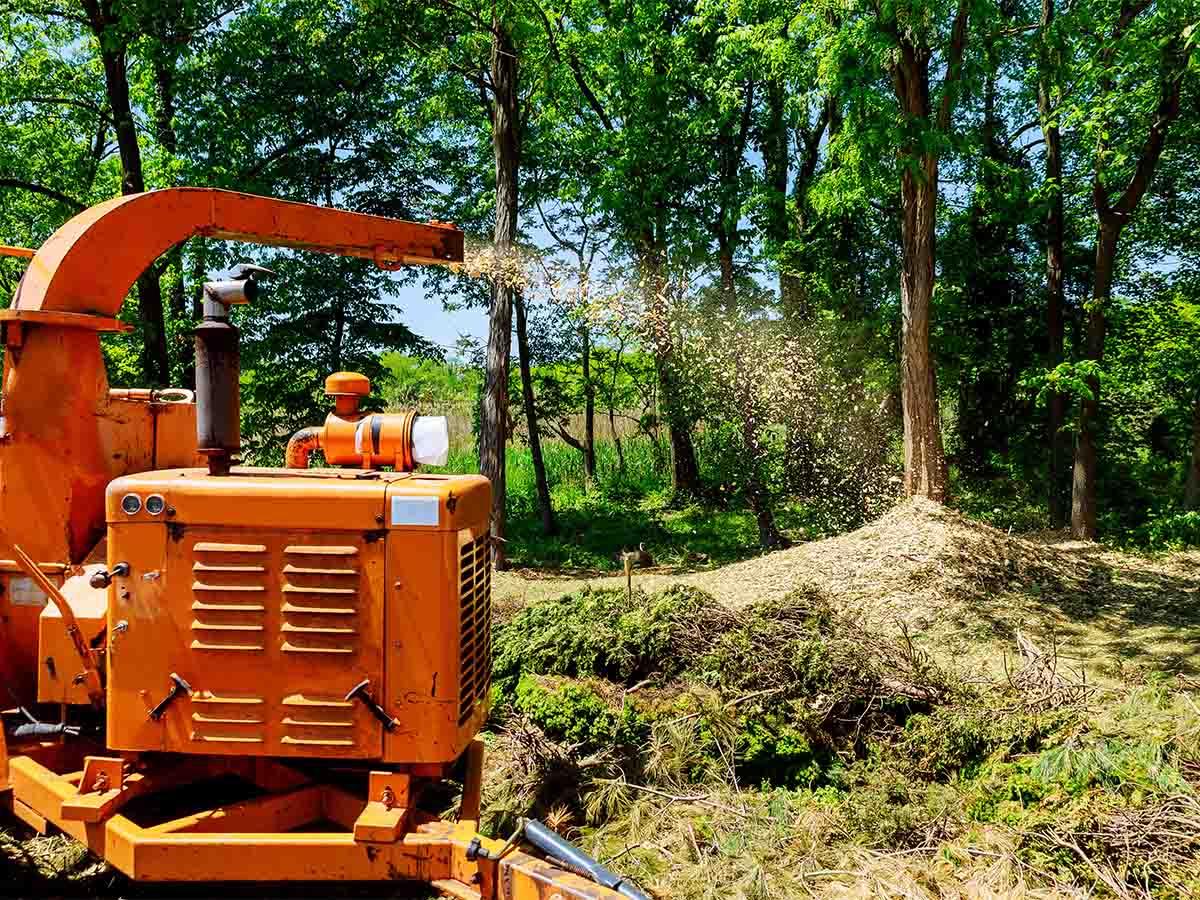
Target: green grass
<point x="622" y="508"/>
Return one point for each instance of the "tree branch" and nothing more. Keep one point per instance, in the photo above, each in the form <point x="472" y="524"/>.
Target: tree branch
<point x="85" y="105"/>
<point x="954" y="58"/>
<point x="810" y="148"/>
<point x="1104" y="208"/>
<point x="50" y="192"/>
<point x="567" y="437"/>
<point x="1174" y="64"/>
<point x="592" y="99"/>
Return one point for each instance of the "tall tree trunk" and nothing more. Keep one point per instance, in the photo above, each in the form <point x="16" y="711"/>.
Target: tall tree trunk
<point x="775" y="148"/>
<point x="549" y="526"/>
<point x="924" y="456"/>
<point x="1191" y="491"/>
<point x="164" y="128"/>
<point x="506" y="146"/>
<point x="339" y="334"/>
<point x="985" y="415"/>
<point x="757" y="494"/>
<point x="1083" y="482"/>
<point x="1113" y="217"/>
<point x="685" y="472"/>
<point x="612" y="399"/>
<point x="728" y="276"/>
<point x="1056" y="494"/>
<point x="155" y="360"/>
<point x="750" y="417"/>
<point x="589" y="408"/>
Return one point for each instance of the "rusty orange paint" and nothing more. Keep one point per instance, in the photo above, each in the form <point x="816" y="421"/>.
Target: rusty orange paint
<point x="21" y="606"/>
<point x="351" y="437"/>
<point x="90" y="263"/>
<point x="271" y="837"/>
<point x="19" y="252"/>
<point x="63" y="436"/>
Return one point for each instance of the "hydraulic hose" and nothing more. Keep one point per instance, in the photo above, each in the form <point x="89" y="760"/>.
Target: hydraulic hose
<point x="553" y="845"/>
<point x="43" y="729"/>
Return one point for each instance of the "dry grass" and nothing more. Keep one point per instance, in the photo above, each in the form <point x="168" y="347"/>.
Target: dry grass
<point x="963" y="590"/>
<point x="682" y="851"/>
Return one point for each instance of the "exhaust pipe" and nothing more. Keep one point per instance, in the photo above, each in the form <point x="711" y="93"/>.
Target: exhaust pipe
<point x="219" y="370"/>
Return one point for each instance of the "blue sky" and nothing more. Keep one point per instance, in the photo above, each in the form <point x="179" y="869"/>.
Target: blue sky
<point x="423" y="312"/>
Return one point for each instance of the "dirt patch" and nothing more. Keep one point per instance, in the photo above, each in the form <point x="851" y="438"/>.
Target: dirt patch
<point x="964" y="589"/>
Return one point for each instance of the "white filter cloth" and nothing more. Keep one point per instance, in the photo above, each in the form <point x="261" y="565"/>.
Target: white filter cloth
<point x="431" y="440"/>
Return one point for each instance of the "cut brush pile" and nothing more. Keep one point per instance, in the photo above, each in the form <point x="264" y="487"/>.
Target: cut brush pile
<point x="783" y="749"/>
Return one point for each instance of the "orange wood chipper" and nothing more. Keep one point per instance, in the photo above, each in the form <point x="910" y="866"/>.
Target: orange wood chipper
<point x="220" y="673"/>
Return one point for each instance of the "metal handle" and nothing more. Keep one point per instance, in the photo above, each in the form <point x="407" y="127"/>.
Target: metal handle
<point x="178" y="686"/>
<point x="361" y="692"/>
<point x="103" y="579"/>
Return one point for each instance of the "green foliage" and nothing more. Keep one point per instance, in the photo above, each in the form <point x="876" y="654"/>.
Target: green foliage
<point x="599" y="632"/>
<point x="428" y="384"/>
<point x="631" y="505"/>
<point x="313" y="318"/>
<point x="1120" y="765"/>
<point x="771" y="750"/>
<point x="1169" y="529"/>
<point x="573" y="713"/>
<point x="955" y="741"/>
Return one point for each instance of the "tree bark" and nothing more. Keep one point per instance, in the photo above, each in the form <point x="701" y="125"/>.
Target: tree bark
<point x="339" y="334"/>
<point x="1056" y="494"/>
<point x="101" y="19"/>
<point x="506" y="146"/>
<point x="728" y="282"/>
<point x="759" y="498"/>
<point x="1191" y="491"/>
<point x="685" y="471"/>
<point x="164" y="127"/>
<point x="925" y="471"/>
<point x="1083" y="482"/>
<point x="589" y="408"/>
<point x="776" y="153"/>
<point x="612" y="399"/>
<point x="1113" y="217"/>
<point x="549" y="525"/>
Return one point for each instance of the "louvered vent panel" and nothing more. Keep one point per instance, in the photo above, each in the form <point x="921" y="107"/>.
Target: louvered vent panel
<point x="229" y="593"/>
<point x="320" y="599"/>
<point x="475" y="645"/>
<point x="318" y="721"/>
<point x="227" y="718"/>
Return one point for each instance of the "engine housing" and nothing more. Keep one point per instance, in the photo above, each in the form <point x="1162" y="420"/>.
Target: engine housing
<point x="258" y="600"/>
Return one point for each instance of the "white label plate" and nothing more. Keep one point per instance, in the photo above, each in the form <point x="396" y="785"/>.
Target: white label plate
<point x="24" y="592"/>
<point x="416" y="511"/>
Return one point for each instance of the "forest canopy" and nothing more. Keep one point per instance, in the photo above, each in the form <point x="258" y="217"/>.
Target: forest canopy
<point x="837" y="250"/>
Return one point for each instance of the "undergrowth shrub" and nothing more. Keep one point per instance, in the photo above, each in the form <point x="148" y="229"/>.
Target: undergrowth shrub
<point x="601" y="633"/>
<point x="954" y="741"/>
<point x="572" y="712"/>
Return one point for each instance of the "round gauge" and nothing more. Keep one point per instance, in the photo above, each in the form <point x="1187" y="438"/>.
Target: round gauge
<point x="131" y="504"/>
<point x="155" y="504"/>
